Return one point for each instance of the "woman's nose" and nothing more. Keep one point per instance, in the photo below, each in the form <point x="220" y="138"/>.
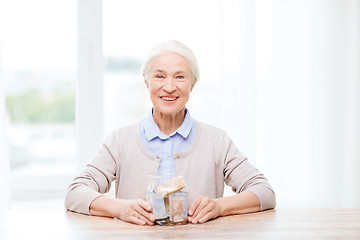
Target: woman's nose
<point x="169" y="85"/>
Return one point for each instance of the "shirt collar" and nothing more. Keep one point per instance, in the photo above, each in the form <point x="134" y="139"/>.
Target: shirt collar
<point x="152" y="131"/>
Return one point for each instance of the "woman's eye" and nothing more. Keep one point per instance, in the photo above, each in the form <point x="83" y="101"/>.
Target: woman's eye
<point x="180" y="77"/>
<point x="159" y="76"/>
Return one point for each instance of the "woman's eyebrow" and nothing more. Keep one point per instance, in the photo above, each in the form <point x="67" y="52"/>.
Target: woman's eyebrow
<point x="159" y="70"/>
<point x="162" y="71"/>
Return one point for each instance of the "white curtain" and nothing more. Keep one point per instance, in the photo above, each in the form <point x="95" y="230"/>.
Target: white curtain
<point x="307" y="60"/>
<point x="4" y="163"/>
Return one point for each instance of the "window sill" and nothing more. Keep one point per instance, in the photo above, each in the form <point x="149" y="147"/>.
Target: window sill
<point x="41" y="181"/>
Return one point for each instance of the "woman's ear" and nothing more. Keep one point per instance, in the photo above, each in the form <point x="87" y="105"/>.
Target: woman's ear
<point x="192" y="86"/>
<point x="146" y="82"/>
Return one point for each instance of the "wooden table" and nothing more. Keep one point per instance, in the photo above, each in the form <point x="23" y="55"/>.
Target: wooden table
<point x="273" y="224"/>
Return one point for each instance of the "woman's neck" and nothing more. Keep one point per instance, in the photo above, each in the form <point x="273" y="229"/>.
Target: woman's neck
<point x="168" y="123"/>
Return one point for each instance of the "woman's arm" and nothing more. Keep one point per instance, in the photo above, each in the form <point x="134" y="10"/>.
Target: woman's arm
<point x="134" y="211"/>
<point x="203" y="209"/>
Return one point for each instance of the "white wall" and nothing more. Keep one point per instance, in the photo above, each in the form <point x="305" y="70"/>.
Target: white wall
<point x="307" y="100"/>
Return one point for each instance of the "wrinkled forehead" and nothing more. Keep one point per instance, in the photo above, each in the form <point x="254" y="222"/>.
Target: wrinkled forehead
<point x="169" y="62"/>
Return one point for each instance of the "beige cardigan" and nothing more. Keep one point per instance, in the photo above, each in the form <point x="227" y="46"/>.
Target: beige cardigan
<point x="211" y="160"/>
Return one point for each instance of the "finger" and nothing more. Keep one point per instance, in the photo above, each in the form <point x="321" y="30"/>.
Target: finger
<point x="148" y="221"/>
<point x="133" y="219"/>
<point x="207" y="217"/>
<point x="145" y="205"/>
<point x="143" y="218"/>
<point x="194" y="205"/>
<point x="205" y="214"/>
<point x="145" y="212"/>
<point x="204" y="202"/>
<point x="149" y="216"/>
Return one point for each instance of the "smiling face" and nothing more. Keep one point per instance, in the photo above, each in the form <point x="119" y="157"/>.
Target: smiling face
<point x="169" y="81"/>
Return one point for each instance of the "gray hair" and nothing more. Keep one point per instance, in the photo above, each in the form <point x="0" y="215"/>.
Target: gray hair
<point x="172" y="47"/>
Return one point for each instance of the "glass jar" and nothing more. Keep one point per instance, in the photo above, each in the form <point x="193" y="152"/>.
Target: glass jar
<point x="168" y="196"/>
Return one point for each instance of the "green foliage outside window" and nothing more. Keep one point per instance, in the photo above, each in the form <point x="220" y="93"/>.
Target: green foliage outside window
<point x="34" y="106"/>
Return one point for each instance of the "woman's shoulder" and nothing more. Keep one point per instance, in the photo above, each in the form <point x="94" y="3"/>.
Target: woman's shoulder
<point x="126" y="132"/>
<point x="208" y="130"/>
<point x="211" y="137"/>
<point x="134" y="127"/>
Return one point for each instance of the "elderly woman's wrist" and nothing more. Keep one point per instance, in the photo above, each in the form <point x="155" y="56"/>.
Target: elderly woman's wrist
<point x="220" y="205"/>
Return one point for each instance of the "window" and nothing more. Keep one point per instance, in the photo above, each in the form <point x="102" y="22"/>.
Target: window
<point x="38" y="55"/>
<point x="130" y="31"/>
<point x="132" y="28"/>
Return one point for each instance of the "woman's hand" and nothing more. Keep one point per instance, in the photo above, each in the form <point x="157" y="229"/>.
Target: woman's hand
<point x="203" y="209"/>
<point x="136" y="211"/>
<point x="133" y="210"/>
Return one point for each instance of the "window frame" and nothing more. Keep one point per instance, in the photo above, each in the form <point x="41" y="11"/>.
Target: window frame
<point x="88" y="105"/>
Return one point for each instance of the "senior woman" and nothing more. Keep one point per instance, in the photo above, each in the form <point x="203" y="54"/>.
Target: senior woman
<point x="169" y="140"/>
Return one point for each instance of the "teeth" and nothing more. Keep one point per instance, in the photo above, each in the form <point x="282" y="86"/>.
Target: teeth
<point x="168" y="98"/>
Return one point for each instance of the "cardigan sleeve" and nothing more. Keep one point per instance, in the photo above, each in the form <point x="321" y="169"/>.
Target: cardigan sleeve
<point x="95" y="179"/>
<point x="242" y="176"/>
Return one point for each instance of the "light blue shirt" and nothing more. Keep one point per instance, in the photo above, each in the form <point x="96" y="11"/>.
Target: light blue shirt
<point x="166" y="146"/>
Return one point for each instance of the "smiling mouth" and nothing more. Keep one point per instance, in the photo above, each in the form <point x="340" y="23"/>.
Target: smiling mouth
<point x="169" y="98"/>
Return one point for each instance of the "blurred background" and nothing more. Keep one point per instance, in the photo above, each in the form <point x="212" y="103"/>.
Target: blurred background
<point x="280" y="76"/>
